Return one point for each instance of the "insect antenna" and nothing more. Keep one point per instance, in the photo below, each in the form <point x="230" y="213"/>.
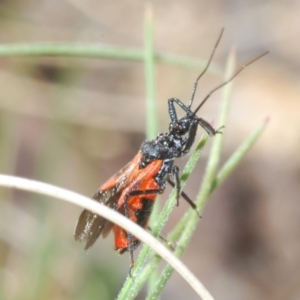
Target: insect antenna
<point x="205" y="69"/>
<point x="229" y="80"/>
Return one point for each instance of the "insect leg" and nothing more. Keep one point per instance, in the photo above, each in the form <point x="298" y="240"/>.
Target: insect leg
<point x="190" y="138"/>
<point x="192" y="132"/>
<point x="208" y="128"/>
<point x="165" y="240"/>
<point x="172" y="110"/>
<point x="185" y="197"/>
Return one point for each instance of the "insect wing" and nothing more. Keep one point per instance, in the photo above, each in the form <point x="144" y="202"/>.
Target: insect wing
<point x="90" y="225"/>
<point x="140" y="205"/>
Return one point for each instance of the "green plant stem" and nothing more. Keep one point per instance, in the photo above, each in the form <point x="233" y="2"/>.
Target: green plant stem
<point x="204" y="192"/>
<point x="100" y="51"/>
<point x="151" y="126"/>
<point x="132" y="286"/>
<point x="151" y="113"/>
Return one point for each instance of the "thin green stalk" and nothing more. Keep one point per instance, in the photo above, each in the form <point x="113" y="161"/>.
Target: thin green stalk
<point x="151" y="126"/>
<point x="215" y="153"/>
<point x="101" y="51"/>
<point x="133" y="285"/>
<point x="166" y="211"/>
<point x="227" y="169"/>
<point x="71" y="50"/>
<point x="204" y="192"/>
<point x="151" y="113"/>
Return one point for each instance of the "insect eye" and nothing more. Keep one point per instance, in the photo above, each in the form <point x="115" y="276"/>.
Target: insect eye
<point x="173" y="127"/>
<point x="183" y="125"/>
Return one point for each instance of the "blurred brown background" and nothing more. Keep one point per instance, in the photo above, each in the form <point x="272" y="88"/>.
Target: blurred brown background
<point x="73" y="122"/>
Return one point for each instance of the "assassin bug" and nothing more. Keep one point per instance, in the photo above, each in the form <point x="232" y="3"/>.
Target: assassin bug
<point x="133" y="190"/>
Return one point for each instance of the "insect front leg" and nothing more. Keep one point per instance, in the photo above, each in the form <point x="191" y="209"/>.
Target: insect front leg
<point x="208" y="128"/>
<point x="189" y="141"/>
<point x="172" y="109"/>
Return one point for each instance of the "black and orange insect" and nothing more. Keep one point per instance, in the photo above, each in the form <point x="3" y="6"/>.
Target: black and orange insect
<point x="133" y="190"/>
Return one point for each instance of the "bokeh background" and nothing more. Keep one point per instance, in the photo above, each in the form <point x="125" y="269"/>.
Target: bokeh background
<point x="73" y="122"/>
